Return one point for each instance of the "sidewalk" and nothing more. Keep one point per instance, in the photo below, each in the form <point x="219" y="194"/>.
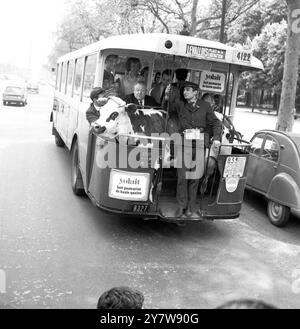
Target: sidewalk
<point x="248" y="122"/>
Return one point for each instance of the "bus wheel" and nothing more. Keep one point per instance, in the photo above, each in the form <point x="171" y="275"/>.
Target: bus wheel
<point x="278" y="214"/>
<point x="77" y="183"/>
<point x="58" y="140"/>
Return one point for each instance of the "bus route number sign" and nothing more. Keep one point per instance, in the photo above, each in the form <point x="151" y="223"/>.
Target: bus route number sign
<point x="242" y="56"/>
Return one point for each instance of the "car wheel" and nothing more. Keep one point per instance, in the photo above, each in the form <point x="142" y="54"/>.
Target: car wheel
<point x="278" y="214"/>
<point x="4" y="102"/>
<point x="58" y="140"/>
<point x="76" y="178"/>
<point x="22" y="104"/>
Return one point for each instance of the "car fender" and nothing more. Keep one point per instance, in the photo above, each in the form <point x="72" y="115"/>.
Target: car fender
<point x="284" y="190"/>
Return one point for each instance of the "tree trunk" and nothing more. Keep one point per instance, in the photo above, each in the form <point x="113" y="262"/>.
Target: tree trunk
<point x="262" y="94"/>
<point x="285" y="119"/>
<point x="194" y="18"/>
<point x="222" y="29"/>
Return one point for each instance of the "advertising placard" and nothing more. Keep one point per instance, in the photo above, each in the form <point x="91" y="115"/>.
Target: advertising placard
<point x="212" y="81"/>
<point x="131" y="186"/>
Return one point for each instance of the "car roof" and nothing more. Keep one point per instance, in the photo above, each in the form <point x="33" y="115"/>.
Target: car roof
<point x="14" y="86"/>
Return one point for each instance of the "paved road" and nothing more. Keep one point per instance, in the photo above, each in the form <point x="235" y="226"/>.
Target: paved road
<point x="58" y="251"/>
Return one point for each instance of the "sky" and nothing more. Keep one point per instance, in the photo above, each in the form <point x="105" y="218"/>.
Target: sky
<point x="26" y="30"/>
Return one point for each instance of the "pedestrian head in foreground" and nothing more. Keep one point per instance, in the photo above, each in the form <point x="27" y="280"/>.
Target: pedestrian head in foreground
<point x="246" y="304"/>
<point x="121" y="298"/>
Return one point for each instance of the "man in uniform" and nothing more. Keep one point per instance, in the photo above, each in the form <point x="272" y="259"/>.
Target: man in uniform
<point x="195" y="116"/>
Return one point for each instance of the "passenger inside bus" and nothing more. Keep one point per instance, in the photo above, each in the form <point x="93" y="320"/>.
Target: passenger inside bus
<point x="156" y="80"/>
<point x="133" y="66"/>
<point x="109" y="71"/>
<point x="175" y="94"/>
<point x="217" y="103"/>
<point x="206" y="97"/>
<point x="139" y="96"/>
<point x="144" y="73"/>
<point x="158" y="91"/>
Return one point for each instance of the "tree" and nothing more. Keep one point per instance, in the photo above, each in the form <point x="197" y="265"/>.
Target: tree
<point x="290" y="75"/>
<point x="209" y="26"/>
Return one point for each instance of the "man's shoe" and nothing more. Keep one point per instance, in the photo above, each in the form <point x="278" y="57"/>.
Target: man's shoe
<point x="179" y="212"/>
<point x="188" y="212"/>
<point x="195" y="215"/>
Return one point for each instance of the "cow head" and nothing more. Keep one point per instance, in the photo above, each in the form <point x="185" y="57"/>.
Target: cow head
<point x="113" y="119"/>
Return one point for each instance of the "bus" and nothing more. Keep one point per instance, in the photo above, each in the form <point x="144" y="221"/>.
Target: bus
<point x="148" y="192"/>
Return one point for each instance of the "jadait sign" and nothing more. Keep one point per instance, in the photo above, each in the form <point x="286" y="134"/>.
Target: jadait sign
<point x="212" y="81"/>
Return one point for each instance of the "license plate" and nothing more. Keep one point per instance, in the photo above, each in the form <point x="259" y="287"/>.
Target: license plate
<point x="140" y="208"/>
<point x="130" y="186"/>
<point x="234" y="166"/>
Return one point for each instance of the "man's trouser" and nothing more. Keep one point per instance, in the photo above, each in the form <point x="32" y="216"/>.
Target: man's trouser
<point x="188" y="176"/>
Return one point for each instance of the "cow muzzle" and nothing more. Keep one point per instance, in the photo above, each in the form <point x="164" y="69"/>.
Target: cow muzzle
<point x="98" y="129"/>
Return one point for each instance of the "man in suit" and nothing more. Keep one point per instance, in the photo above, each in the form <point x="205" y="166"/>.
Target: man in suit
<point x="139" y="96"/>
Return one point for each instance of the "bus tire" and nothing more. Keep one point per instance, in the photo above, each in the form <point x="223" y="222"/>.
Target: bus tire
<point x="58" y="140"/>
<point x="76" y="178"/>
<point x="278" y="214"/>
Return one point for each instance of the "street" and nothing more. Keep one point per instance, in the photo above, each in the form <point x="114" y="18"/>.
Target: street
<point x="58" y="251"/>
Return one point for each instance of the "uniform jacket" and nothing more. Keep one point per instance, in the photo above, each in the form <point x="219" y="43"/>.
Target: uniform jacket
<point x="199" y="115"/>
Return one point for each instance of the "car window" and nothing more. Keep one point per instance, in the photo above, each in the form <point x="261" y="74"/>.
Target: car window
<point x="257" y="143"/>
<point x="271" y="149"/>
<point x="13" y="89"/>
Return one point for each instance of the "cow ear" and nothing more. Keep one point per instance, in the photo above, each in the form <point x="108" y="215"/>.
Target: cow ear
<point x="130" y="108"/>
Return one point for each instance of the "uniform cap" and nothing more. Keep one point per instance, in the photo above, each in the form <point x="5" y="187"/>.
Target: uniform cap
<point x="96" y="92"/>
<point x="190" y="84"/>
<point x="181" y="74"/>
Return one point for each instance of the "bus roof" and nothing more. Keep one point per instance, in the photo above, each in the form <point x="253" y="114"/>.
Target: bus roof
<point x="174" y="44"/>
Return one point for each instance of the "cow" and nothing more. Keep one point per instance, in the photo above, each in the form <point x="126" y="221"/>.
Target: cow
<point x="118" y="118"/>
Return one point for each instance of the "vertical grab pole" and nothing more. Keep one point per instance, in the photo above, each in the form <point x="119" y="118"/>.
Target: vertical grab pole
<point x="227" y="87"/>
<point x="160" y="169"/>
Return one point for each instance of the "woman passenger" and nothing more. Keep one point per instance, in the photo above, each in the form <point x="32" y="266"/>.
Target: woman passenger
<point x="133" y="66"/>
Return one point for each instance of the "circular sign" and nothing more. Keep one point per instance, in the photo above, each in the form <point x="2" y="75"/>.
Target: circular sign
<point x="231" y="183"/>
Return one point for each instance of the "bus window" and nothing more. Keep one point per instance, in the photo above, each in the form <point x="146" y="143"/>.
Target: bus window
<point x="109" y="71"/>
<point x="78" y="77"/>
<point x="63" y="78"/>
<point x="89" y="75"/>
<point x="70" y="77"/>
<point x="58" y="72"/>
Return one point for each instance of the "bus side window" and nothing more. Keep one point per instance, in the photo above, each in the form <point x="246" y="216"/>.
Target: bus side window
<point x="63" y="78"/>
<point x="58" y="73"/>
<point x="70" y="78"/>
<point x="78" y="77"/>
<point x="89" y="75"/>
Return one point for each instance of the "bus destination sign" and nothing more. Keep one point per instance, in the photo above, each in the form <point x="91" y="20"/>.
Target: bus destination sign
<point x="205" y="52"/>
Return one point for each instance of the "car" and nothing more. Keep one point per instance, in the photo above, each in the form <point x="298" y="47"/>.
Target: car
<point x="15" y="94"/>
<point x="33" y="87"/>
<point x="274" y="172"/>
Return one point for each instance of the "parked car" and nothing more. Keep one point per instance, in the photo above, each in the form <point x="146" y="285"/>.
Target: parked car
<point x="33" y="87"/>
<point x="15" y="94"/>
<point x="274" y="172"/>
